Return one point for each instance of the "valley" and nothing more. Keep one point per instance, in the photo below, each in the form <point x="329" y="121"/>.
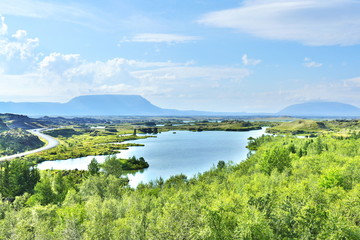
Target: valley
<point x="254" y="186"/>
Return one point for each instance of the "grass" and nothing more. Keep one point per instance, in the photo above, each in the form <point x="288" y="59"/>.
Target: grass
<point x="77" y="143"/>
<point x="228" y="125"/>
<point x="299" y="127"/>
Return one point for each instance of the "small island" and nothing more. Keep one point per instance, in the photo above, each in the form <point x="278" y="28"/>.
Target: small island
<point x="117" y="166"/>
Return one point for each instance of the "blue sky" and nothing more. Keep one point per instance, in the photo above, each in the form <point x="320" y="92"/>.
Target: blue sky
<point x="251" y="55"/>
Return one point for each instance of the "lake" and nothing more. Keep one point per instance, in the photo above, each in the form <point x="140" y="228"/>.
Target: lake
<point x="172" y="153"/>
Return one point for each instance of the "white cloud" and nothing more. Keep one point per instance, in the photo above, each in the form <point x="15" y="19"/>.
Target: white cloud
<point x="42" y="9"/>
<point x="22" y="49"/>
<point x="352" y="82"/>
<point x="59" y="77"/>
<point x="3" y="26"/>
<point x="248" y="61"/>
<point x="161" y="38"/>
<point x="66" y="12"/>
<point x="20" y="34"/>
<point x="62" y="76"/>
<point x="311" y="64"/>
<point x="311" y="22"/>
<point x="194" y="74"/>
<point x="59" y="63"/>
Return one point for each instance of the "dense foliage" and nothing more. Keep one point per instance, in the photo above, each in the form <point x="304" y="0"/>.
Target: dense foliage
<point x="289" y="189"/>
<point x="16" y="178"/>
<point x="115" y="166"/>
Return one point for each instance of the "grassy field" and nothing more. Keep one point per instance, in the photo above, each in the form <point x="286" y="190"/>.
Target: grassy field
<point x="79" y="142"/>
<point x="226" y="125"/>
<point x="299" y="127"/>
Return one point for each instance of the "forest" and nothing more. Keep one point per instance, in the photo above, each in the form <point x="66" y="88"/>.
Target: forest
<point x="288" y="188"/>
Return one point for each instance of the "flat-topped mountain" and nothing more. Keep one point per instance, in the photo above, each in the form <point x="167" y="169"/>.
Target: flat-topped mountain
<point x="321" y="109"/>
<point x="111" y="105"/>
<point x="87" y="105"/>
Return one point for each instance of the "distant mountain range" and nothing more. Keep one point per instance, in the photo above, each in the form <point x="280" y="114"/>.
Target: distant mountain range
<point x="134" y="105"/>
<point x="94" y="105"/>
<point x="321" y="109"/>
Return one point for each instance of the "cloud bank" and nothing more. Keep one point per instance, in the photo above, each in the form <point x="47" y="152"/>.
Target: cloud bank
<point x="310" y="22"/>
<point x="161" y="38"/>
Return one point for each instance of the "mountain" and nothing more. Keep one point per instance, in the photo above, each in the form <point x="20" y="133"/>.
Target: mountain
<point x="86" y="105"/>
<point x="111" y="105"/>
<point x="94" y="105"/>
<point x="321" y="109"/>
<point x="135" y="105"/>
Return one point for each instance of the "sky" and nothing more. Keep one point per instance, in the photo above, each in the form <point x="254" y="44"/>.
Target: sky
<point x="211" y="55"/>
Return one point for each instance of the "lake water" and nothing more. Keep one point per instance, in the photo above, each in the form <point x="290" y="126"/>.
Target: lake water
<point x="170" y="154"/>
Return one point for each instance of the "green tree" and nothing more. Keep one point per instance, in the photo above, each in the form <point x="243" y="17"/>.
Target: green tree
<point x="112" y="166"/>
<point x="94" y="167"/>
<point x="221" y="164"/>
<point x="17" y="177"/>
<point x="275" y="158"/>
<point x="43" y="191"/>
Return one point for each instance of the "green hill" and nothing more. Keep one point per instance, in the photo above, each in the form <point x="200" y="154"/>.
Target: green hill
<point x="299" y="127"/>
<point x="12" y="121"/>
<point x="18" y="140"/>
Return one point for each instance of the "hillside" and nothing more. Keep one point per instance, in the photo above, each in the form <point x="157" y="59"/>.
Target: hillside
<point x="11" y="121"/>
<point x="18" y="140"/>
<point x="299" y="127"/>
<point x="3" y="126"/>
<point x="320" y="109"/>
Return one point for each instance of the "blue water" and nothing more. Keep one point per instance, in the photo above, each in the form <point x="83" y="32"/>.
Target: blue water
<point x="170" y="154"/>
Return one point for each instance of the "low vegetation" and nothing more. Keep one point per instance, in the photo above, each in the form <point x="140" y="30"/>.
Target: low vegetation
<point x="83" y="142"/>
<point x="299" y="127"/>
<point x="226" y="125"/>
